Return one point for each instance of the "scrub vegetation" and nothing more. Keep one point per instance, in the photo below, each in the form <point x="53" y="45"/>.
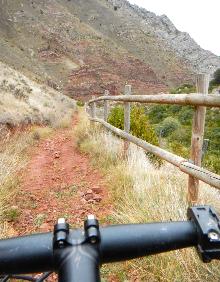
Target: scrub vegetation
<point x="173" y="125"/>
<point x="140" y="194"/>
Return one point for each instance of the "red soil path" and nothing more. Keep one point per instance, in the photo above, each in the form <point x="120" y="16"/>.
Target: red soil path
<point x="59" y="181"/>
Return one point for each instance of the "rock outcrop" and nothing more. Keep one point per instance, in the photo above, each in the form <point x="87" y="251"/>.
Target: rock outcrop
<point x="169" y="36"/>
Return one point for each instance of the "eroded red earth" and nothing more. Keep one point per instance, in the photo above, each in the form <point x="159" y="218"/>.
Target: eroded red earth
<point x="59" y="181"/>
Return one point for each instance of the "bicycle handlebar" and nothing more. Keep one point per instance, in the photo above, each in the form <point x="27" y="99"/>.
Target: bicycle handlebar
<point x="124" y="242"/>
<point x="77" y="254"/>
<point x="34" y="253"/>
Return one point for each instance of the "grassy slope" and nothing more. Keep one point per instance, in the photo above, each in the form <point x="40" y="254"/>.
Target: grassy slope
<point x="23" y="101"/>
<point x="141" y="194"/>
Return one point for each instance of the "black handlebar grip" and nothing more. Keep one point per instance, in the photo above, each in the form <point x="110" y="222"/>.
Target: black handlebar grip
<point x="27" y="254"/>
<point x="123" y="242"/>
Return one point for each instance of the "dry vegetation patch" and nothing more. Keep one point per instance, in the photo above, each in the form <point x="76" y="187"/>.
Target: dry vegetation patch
<point x="28" y="113"/>
<point x="14" y="149"/>
<point x="23" y="101"/>
<point x="141" y="194"/>
<point x="12" y="159"/>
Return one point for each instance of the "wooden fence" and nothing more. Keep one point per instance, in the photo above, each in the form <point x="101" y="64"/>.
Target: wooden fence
<point x="199" y="100"/>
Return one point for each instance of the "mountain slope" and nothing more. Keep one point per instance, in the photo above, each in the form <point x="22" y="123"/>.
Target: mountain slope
<point x="83" y="47"/>
<point x="26" y="102"/>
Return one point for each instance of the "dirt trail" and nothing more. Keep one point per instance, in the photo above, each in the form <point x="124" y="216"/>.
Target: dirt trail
<point x="59" y="181"/>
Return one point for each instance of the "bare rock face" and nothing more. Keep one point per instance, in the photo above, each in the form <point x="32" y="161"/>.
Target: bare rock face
<point x="171" y="38"/>
<point x="185" y="47"/>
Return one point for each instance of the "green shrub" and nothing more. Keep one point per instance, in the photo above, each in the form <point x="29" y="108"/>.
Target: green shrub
<point x="178" y="140"/>
<point x="80" y="103"/>
<point x="140" y="126"/>
<point x="116" y="117"/>
<point x="183" y="89"/>
<point x="182" y="135"/>
<point x="39" y="220"/>
<point x="167" y="126"/>
<point x="216" y="79"/>
<point x="179" y="149"/>
<point x="211" y="162"/>
<point x="12" y="213"/>
<point x="185" y="115"/>
<point x="157" y="113"/>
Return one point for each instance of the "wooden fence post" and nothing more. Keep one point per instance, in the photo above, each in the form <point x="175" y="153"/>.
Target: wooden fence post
<point x="198" y="125"/>
<point x="127" y="122"/>
<point x="93" y="108"/>
<point x="106" y="107"/>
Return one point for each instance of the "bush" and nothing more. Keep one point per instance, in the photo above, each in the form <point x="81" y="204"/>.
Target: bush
<point x="216" y="79"/>
<point x="179" y="139"/>
<point x="212" y="162"/>
<point x="157" y="113"/>
<point x="183" y="89"/>
<point x="80" y="103"/>
<point x="185" y="115"/>
<point x="12" y="213"/>
<point x="182" y="135"/>
<point x="179" y="149"/>
<point x="41" y="132"/>
<point x="116" y="117"/>
<point x="140" y="126"/>
<point x="168" y="126"/>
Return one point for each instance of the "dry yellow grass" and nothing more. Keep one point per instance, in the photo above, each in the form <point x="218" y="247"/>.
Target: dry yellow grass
<point x="12" y="160"/>
<point x="24" y="101"/>
<point x="144" y="194"/>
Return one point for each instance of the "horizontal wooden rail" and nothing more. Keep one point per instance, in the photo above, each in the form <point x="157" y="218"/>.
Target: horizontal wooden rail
<point x="201" y="174"/>
<point x="184" y="165"/>
<point x="193" y="99"/>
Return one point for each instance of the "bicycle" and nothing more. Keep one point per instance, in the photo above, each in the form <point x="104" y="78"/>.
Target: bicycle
<point x="76" y="255"/>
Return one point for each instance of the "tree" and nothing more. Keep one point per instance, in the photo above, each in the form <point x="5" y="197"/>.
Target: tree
<point x="217" y="76"/>
<point x="216" y="80"/>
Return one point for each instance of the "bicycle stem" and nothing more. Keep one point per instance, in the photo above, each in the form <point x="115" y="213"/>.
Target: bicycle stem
<point x="79" y="264"/>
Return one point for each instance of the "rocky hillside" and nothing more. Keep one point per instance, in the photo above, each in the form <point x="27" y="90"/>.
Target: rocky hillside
<point x="84" y="47"/>
<point x="172" y="39"/>
<point x="26" y="102"/>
